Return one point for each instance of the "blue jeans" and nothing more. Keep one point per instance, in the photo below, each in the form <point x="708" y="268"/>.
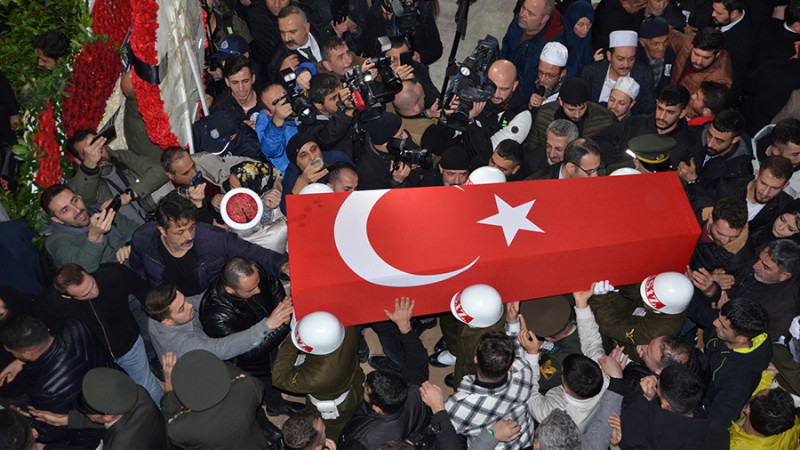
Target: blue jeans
<point x="135" y="364"/>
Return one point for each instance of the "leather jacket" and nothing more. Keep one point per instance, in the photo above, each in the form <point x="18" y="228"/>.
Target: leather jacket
<point x="223" y="314"/>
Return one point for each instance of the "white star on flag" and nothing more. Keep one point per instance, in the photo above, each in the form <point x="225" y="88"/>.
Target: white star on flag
<point x="511" y="219"/>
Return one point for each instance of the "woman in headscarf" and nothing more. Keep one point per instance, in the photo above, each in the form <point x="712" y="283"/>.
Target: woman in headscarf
<point x="264" y="180"/>
<point x="577" y="36"/>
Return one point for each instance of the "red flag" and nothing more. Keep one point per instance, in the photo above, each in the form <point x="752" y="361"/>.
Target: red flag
<point x="353" y="254"/>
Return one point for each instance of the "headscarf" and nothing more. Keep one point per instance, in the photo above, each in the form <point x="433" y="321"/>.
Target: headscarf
<point x="256" y="176"/>
<point x="580" y="49"/>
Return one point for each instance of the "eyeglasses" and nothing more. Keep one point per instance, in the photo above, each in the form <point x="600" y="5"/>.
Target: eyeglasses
<point x="549" y="76"/>
<point x="279" y="99"/>
<point x="589" y="172"/>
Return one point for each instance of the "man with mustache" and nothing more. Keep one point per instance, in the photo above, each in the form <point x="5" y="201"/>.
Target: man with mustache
<point x="83" y="235"/>
<point x="699" y="59"/>
<point x="175" y="249"/>
<point x="102" y="174"/>
<point x="668" y="120"/>
<point x="299" y="45"/>
<point x="602" y="76"/>
<point x="724" y="168"/>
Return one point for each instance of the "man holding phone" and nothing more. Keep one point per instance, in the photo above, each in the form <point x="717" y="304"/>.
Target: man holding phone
<point x="84" y="235"/>
<point x="103" y="174"/>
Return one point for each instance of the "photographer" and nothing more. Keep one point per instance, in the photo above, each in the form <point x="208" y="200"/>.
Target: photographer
<point x="334" y="128"/>
<point x="377" y="168"/>
<point x="402" y="55"/>
<point x="275" y="125"/>
<point x="417" y="24"/>
<point x="84" y="235"/>
<point x="504" y="116"/>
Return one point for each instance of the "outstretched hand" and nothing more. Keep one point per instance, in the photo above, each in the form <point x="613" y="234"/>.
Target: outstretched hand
<point x="403" y="310"/>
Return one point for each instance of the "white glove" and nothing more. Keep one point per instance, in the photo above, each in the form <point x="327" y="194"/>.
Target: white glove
<point x="794" y="328"/>
<point x="602" y="287"/>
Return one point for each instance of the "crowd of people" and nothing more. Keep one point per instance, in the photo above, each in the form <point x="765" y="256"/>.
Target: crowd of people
<point x="161" y="316"/>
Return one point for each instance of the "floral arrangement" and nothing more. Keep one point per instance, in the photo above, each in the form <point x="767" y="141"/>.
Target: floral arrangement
<point x="62" y="100"/>
<point x="143" y="37"/>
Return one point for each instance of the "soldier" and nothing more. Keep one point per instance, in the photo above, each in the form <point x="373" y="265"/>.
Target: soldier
<point x="638" y="313"/>
<point x="551" y="318"/>
<point x="211" y="404"/>
<point x="328" y="369"/>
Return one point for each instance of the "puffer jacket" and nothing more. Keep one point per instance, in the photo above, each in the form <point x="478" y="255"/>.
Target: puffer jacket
<point x="223" y="314"/>
<point x="56" y="378"/>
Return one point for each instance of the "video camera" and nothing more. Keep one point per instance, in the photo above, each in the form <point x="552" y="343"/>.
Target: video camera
<point x="471" y="84"/>
<point x="303" y="109"/>
<point x="419" y="156"/>
<point x="407" y="17"/>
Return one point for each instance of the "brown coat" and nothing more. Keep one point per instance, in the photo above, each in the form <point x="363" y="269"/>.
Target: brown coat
<point x="721" y="71"/>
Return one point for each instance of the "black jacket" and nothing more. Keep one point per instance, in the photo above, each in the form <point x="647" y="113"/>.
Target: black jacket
<point x="335" y="133"/>
<point x="223" y="314"/>
<point x="780" y="300"/>
<point x="645" y="425"/>
<point x="56" y="377"/>
<point x="108" y="316"/>
<point x="613" y="140"/>
<point x="425" y="39"/>
<point x="595" y="76"/>
<point x="721" y="176"/>
<point x="741" y="44"/>
<point x="367" y="430"/>
<point x="734" y="374"/>
<point x="771" y="210"/>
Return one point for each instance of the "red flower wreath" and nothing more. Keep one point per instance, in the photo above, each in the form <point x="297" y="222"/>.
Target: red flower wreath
<point x="48" y="148"/>
<point x="143" y="38"/>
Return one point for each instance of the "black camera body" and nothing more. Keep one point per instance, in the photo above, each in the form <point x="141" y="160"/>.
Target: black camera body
<point x="472" y="84"/>
<point x="339" y="10"/>
<point x="400" y="152"/>
<point x="303" y="108"/>
<point x="366" y="102"/>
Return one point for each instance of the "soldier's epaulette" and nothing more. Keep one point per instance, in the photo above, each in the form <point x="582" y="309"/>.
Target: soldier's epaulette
<point x="241" y="376"/>
<point x="182" y="411"/>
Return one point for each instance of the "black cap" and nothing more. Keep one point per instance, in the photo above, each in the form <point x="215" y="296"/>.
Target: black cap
<point x="546" y="316"/>
<point x="200" y="380"/>
<point x="383" y="128"/>
<point x="653" y="27"/>
<point x="295" y="144"/>
<point x="574" y="91"/>
<point x="219" y="127"/>
<point x="107" y="391"/>
<point x="454" y="158"/>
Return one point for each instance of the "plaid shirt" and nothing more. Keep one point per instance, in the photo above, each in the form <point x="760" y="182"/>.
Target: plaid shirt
<point x="474" y="408"/>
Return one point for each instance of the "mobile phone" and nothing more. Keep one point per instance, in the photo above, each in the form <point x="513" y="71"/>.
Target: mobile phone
<point x="406" y="58"/>
<point x="115" y="204"/>
<point x="109" y="132"/>
<point x="198" y="179"/>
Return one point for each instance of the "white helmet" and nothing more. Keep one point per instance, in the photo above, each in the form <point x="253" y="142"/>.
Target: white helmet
<point x="486" y="175"/>
<point x="316" y="188"/>
<point x="668" y="292"/>
<point x="478" y="306"/>
<point x="625" y="171"/>
<point x="318" y="333"/>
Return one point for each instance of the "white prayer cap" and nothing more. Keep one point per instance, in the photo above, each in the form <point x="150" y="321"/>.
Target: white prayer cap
<point x="623" y="38"/>
<point x="555" y="53"/>
<point x="629" y="86"/>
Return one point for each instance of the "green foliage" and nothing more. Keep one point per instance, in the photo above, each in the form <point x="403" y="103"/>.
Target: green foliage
<point x="35" y="86"/>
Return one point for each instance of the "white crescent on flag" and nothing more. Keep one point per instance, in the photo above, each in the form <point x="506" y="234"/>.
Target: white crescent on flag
<point x="350" y="235"/>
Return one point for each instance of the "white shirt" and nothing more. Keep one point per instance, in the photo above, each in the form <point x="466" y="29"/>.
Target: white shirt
<point x="608" y="85"/>
<point x="732" y="24"/>
<point x="753" y="209"/>
<point x="313" y="46"/>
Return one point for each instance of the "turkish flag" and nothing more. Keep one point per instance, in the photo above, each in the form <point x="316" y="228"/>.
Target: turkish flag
<point x="352" y="254"/>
